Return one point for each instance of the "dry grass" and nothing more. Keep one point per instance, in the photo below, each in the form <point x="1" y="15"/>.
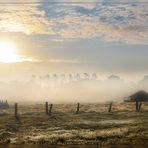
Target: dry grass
<point x="93" y="125"/>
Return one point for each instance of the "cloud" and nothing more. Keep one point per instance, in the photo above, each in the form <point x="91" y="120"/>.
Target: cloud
<point x="62" y="61"/>
<point x="23" y="18"/>
<point x="126" y="22"/>
<point x="115" y="22"/>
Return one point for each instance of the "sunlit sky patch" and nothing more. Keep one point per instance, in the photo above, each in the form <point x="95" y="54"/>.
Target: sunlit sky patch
<point x="98" y="35"/>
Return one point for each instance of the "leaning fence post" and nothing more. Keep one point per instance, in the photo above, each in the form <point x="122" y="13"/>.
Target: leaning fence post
<point x="78" y="108"/>
<point x="139" y="106"/>
<point x="16" y="110"/>
<point x="51" y="106"/>
<point x="46" y="107"/>
<point x="110" y="107"/>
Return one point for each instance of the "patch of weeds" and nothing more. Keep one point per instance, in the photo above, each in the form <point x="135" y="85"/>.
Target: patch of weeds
<point x="61" y="140"/>
<point x="12" y="127"/>
<point x="58" y="140"/>
<point x="43" y="141"/>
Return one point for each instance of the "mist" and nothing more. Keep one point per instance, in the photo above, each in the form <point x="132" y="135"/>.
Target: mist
<point x="70" y="88"/>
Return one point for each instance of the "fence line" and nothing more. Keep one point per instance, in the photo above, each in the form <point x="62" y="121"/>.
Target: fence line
<point x="48" y="110"/>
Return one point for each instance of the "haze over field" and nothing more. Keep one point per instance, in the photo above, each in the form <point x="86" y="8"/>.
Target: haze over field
<point x="69" y="88"/>
<point x="105" y="37"/>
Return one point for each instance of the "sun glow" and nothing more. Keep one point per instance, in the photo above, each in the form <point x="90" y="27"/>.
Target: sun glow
<point x="8" y="52"/>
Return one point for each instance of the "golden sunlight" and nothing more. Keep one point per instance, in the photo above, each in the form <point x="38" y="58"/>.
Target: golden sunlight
<point x="8" y="52"/>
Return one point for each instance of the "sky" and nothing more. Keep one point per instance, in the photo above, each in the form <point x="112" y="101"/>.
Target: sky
<point x="74" y="36"/>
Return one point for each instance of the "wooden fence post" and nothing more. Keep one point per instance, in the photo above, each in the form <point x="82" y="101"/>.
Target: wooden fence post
<point x="46" y="108"/>
<point x="16" y="110"/>
<point x="139" y="106"/>
<point x="78" y="108"/>
<point x="51" y="106"/>
<point x="110" y="107"/>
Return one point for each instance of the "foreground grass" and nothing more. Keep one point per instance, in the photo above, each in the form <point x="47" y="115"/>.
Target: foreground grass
<point x="93" y="125"/>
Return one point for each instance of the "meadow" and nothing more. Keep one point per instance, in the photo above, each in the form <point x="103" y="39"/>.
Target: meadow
<point x="93" y="125"/>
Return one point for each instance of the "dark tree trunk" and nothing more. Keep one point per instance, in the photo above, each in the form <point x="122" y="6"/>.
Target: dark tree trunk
<point x="137" y="106"/>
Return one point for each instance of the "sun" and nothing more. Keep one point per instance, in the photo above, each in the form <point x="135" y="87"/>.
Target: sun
<point x="8" y="52"/>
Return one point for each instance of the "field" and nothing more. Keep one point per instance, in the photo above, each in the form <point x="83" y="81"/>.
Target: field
<point x="93" y="125"/>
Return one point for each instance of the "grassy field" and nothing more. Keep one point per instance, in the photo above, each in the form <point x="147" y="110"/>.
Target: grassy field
<point x="93" y="125"/>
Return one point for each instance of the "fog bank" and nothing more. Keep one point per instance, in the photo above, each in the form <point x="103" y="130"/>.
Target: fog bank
<point x="69" y="88"/>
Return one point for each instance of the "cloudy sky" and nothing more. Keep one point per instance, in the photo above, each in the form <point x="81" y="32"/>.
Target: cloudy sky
<point x="56" y="36"/>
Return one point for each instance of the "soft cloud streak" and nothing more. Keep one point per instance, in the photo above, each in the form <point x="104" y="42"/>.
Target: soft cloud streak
<point x="126" y="22"/>
<point x="23" y="18"/>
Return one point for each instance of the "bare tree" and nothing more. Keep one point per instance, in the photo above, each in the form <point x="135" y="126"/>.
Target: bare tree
<point x="70" y="77"/>
<point x="86" y="76"/>
<point x="94" y="76"/>
<point x="77" y="77"/>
